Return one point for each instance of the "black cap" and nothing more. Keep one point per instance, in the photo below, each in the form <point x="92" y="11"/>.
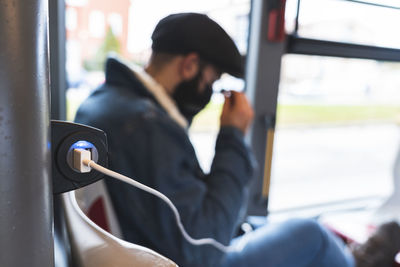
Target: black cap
<point x="184" y="33"/>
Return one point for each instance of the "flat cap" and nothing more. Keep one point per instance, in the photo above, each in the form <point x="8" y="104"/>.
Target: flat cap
<point x="184" y="33"/>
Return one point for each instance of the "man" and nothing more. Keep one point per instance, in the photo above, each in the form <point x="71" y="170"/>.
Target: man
<point x="146" y="114"/>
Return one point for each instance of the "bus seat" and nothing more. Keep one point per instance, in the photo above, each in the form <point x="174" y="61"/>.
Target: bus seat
<point x="94" y="247"/>
<point x="95" y="202"/>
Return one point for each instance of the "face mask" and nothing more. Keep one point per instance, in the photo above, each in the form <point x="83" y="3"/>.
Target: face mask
<point x="188" y="98"/>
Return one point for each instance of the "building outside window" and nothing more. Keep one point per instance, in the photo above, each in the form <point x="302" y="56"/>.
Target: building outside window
<point x="71" y="19"/>
<point x="115" y="22"/>
<point x="97" y="24"/>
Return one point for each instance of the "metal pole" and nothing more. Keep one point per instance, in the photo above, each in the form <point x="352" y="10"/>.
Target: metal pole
<point x="58" y="81"/>
<point x="262" y="82"/>
<point x="26" y="237"/>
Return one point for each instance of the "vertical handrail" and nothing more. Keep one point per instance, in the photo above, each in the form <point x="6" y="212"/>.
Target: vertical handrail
<point x="263" y="67"/>
<point x="26" y="237"/>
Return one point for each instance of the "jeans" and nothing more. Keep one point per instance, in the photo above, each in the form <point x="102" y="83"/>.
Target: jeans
<point x="295" y="243"/>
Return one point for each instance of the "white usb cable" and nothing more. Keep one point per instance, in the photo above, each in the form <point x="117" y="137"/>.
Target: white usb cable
<point x="198" y="242"/>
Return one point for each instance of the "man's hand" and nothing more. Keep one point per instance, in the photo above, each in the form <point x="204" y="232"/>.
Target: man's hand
<point x="237" y="111"/>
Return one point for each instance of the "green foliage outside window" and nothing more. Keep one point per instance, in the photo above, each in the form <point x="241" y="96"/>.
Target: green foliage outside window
<point x="110" y="44"/>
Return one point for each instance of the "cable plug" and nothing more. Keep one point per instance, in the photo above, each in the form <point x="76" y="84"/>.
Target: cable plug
<point x="82" y="156"/>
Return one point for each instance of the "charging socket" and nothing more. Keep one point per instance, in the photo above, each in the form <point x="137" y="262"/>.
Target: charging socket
<point x="71" y="143"/>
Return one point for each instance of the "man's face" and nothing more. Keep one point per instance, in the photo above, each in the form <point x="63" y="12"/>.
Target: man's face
<point x="193" y="95"/>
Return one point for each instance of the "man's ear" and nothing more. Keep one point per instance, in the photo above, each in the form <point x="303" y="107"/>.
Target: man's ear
<point x="189" y="66"/>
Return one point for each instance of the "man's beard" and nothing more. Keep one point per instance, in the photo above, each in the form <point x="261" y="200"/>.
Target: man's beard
<point x="189" y="99"/>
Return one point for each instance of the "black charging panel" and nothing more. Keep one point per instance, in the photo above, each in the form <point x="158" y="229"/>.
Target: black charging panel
<point x="63" y="136"/>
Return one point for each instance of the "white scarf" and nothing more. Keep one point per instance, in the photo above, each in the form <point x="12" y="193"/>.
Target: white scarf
<point x="160" y="94"/>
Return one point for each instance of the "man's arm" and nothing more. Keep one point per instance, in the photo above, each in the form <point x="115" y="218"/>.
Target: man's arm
<point x="230" y="172"/>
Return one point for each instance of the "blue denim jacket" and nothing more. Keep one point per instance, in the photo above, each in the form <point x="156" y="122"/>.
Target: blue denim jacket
<point x="147" y="145"/>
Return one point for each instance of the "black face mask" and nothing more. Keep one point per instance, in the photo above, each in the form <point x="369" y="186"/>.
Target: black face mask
<point x="188" y="98"/>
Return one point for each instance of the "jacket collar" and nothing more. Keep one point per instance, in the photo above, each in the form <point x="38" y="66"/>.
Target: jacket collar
<point x="155" y="89"/>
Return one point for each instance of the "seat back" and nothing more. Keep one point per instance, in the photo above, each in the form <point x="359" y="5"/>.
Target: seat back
<point x="95" y="202"/>
<point x="94" y="247"/>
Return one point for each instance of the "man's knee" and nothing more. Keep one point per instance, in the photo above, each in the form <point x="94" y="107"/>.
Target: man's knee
<point x="305" y="230"/>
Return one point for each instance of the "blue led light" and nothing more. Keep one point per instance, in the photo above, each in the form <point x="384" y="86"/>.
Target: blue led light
<point x="82" y="144"/>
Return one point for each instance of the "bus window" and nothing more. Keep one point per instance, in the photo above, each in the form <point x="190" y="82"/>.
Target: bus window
<point x="346" y="21"/>
<point x="337" y="131"/>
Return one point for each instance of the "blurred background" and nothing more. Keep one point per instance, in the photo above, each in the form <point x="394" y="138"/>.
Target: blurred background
<point x="337" y="131"/>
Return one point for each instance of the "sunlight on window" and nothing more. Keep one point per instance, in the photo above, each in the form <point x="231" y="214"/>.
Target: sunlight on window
<point x="96" y="24"/>
<point x="337" y="130"/>
<point x="346" y="21"/>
